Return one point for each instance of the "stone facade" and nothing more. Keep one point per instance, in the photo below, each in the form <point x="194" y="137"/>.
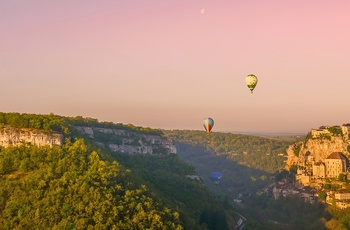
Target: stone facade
<point x="319" y="170"/>
<point x="342" y="195"/>
<point x="346" y="129"/>
<point x="323" y="130"/>
<point x="336" y="163"/>
<point x="319" y="132"/>
<point x="341" y="199"/>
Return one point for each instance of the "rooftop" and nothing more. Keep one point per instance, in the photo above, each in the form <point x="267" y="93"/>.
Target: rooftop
<point x="337" y="155"/>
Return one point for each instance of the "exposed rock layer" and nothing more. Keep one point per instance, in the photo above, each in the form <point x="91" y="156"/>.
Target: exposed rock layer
<point x="126" y="141"/>
<point x="12" y="136"/>
<point x="316" y="149"/>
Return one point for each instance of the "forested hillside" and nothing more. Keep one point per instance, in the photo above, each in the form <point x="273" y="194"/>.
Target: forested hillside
<point x="81" y="185"/>
<point x="72" y="188"/>
<point x="84" y="185"/>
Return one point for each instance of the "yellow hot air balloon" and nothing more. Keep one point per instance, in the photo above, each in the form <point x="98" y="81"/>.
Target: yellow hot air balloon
<point x="251" y="80"/>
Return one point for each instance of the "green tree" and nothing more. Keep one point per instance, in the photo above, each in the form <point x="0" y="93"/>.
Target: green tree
<point x="322" y="195"/>
<point x="342" y="177"/>
<point x="327" y="186"/>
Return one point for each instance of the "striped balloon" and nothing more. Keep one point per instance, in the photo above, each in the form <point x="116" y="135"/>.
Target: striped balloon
<point x="208" y="124"/>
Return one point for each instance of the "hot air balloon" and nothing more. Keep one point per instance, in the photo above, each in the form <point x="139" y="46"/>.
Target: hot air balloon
<point x="251" y="80"/>
<point x="216" y="177"/>
<point x="208" y="124"/>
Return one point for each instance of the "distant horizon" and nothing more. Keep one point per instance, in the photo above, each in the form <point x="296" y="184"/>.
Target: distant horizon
<point x="201" y="128"/>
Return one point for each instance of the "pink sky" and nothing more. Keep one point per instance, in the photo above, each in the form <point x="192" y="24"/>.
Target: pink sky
<point x="164" y="64"/>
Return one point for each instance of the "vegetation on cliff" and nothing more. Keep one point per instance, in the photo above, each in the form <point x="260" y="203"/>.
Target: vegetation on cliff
<point x="52" y="122"/>
<point x="70" y="187"/>
<point x="83" y="186"/>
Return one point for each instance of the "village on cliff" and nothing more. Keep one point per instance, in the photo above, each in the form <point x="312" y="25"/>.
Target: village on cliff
<point x="322" y="167"/>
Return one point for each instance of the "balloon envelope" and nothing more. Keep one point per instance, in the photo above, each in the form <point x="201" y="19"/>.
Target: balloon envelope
<point x="208" y="124"/>
<point x="215" y="176"/>
<point x="251" y="80"/>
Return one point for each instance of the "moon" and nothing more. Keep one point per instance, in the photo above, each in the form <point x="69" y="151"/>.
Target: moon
<point x="202" y="11"/>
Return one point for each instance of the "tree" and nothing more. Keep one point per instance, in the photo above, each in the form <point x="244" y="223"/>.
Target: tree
<point x="327" y="186"/>
<point x="342" y="177"/>
<point x="322" y="195"/>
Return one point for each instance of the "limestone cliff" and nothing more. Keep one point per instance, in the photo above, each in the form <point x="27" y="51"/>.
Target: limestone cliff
<point x="13" y="136"/>
<point x="316" y="149"/>
<point x="128" y="141"/>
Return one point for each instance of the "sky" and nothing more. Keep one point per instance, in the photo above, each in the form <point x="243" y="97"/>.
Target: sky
<point x="170" y="64"/>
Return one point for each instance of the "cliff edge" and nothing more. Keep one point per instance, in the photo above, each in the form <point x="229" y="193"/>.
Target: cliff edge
<point x="10" y="136"/>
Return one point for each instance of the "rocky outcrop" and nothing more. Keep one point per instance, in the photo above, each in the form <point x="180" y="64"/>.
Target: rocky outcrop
<point x="12" y="136"/>
<point x="128" y="141"/>
<point x="316" y="149"/>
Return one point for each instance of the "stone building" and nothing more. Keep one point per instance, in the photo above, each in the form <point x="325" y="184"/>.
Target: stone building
<point x="342" y="199"/>
<point x="342" y="195"/>
<point x="345" y="128"/>
<point x="319" y="170"/>
<point x="336" y="163"/>
<point x="323" y="130"/>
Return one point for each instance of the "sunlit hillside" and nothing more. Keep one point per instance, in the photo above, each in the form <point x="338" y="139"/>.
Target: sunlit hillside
<point x="84" y="184"/>
<point x="93" y="174"/>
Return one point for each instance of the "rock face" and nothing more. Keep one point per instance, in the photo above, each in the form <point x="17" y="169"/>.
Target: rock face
<point x="125" y="141"/>
<point x="11" y="136"/>
<point x="316" y="149"/>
